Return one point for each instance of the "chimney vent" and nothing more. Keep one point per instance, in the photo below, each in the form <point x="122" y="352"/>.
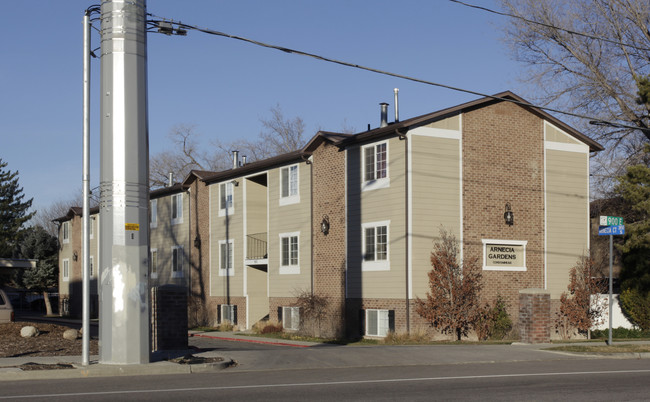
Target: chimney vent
<point x="235" y="159"/>
<point x="384" y="114"/>
<point x="396" y="90"/>
<point x="171" y="179"/>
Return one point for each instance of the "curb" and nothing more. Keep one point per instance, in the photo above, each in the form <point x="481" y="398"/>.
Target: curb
<point x="223" y="338"/>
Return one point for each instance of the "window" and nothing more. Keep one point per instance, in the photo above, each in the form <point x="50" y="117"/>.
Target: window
<point x="177" y="209"/>
<point x="290" y="317"/>
<point x="378" y="322"/>
<point x="226" y="258"/>
<point x="66" y="270"/>
<point x="153" y="263"/>
<point x="375" y="246"/>
<point x="289" y="185"/>
<point x="289" y="256"/>
<point x="375" y="166"/>
<point x="228" y="313"/>
<point x="177" y="262"/>
<point x="154" y="213"/>
<point x="91" y="266"/>
<point x="226" y="200"/>
<point x="66" y="232"/>
<point x="91" y="232"/>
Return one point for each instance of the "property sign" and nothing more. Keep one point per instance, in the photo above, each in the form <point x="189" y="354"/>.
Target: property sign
<point x="611" y="221"/>
<point x="611" y="230"/>
<point x="504" y="255"/>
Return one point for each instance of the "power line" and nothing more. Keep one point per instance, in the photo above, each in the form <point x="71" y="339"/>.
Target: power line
<point x="577" y="33"/>
<point x="593" y="120"/>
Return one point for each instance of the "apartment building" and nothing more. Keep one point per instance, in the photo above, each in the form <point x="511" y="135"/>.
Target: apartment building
<point x="354" y="218"/>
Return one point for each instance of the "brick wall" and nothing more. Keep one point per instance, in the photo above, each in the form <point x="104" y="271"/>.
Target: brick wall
<point x="169" y="317"/>
<point x="503" y="162"/>
<point x="328" y="169"/>
<point x="202" y="310"/>
<point x="535" y="316"/>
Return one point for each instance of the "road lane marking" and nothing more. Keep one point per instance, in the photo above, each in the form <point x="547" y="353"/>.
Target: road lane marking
<point x="310" y="384"/>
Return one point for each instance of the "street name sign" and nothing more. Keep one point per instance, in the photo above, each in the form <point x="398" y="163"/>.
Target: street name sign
<point x="611" y="221"/>
<point x="611" y="230"/>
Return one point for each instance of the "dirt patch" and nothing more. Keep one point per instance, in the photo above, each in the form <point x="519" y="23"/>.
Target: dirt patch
<point x="49" y="342"/>
<point x="191" y="359"/>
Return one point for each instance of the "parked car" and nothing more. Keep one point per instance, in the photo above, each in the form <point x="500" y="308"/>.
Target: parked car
<point x="6" y="310"/>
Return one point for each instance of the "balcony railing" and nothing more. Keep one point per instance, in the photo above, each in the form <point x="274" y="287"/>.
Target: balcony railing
<point x="257" y="246"/>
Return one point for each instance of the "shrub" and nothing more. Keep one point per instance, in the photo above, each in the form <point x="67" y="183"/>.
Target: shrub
<point x="417" y="336"/>
<point x="620" y="333"/>
<point x="636" y="306"/>
<point x="225" y="326"/>
<point x="493" y="321"/>
<point x="313" y="309"/>
<point x="267" y="327"/>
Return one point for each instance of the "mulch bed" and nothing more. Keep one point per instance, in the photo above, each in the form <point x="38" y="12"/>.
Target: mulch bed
<point x="49" y="342"/>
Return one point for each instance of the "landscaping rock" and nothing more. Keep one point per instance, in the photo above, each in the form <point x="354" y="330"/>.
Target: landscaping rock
<point x="71" y="334"/>
<point x="28" y="332"/>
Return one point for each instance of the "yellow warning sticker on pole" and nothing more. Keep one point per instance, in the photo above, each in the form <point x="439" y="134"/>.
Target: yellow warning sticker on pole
<point x="132" y="226"/>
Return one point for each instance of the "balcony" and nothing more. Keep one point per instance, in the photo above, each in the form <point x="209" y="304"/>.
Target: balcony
<point x="257" y="249"/>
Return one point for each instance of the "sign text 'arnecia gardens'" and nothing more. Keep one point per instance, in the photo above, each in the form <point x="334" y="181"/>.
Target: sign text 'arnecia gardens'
<point x="504" y="255"/>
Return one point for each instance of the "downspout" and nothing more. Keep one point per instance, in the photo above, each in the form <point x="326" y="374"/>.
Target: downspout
<point x="402" y="136"/>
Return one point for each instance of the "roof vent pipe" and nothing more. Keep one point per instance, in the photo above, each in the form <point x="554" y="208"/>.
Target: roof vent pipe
<point x="396" y="90"/>
<point x="235" y="159"/>
<point x="243" y="160"/>
<point x="171" y="179"/>
<point x="384" y="114"/>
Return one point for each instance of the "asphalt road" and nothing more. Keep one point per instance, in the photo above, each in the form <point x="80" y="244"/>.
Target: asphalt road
<point x="591" y="379"/>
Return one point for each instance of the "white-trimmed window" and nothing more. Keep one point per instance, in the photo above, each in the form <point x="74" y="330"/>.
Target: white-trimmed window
<point x="226" y="199"/>
<point x="153" y="263"/>
<point x="375" y="238"/>
<point x="65" y="228"/>
<point x="378" y="322"/>
<point x="65" y="270"/>
<point x="226" y="257"/>
<point x="154" y="214"/>
<point x="290" y="318"/>
<point x="177" y="261"/>
<point x="375" y="166"/>
<point x="177" y="209"/>
<point x="228" y="313"/>
<point x="289" y="253"/>
<point x="91" y="231"/>
<point x="289" y="193"/>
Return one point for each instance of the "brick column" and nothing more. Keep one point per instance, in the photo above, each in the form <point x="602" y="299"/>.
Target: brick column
<point x="535" y="315"/>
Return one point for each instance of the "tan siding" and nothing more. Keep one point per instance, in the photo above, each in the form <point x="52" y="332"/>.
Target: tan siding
<point x="372" y="206"/>
<point x="436" y="200"/>
<point x="567" y="197"/>
<point x="451" y="123"/>
<point x="255" y="208"/>
<point x="554" y="134"/>
<point x="287" y="219"/>
<point x="223" y="228"/>
<point x="165" y="236"/>
<point x="258" y="300"/>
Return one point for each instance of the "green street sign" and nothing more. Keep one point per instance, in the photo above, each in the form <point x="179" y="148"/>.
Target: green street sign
<point x="611" y="221"/>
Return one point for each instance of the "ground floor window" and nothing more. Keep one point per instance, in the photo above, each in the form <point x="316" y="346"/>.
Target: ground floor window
<point x="228" y="313"/>
<point x="177" y="262"/>
<point x="290" y="317"/>
<point x="379" y="322"/>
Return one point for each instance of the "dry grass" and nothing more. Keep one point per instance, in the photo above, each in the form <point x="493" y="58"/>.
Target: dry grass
<point x="604" y="349"/>
<point x="416" y="337"/>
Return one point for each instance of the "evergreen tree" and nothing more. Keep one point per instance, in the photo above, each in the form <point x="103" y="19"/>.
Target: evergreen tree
<point x="39" y="245"/>
<point x="13" y="211"/>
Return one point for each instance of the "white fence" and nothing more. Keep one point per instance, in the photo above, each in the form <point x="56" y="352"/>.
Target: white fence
<point x="618" y="319"/>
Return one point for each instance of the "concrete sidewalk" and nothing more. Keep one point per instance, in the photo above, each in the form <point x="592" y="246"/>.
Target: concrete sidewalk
<point x="294" y="355"/>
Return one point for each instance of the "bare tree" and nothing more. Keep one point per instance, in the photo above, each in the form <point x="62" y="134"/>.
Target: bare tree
<point x="595" y="72"/>
<point x="280" y="135"/>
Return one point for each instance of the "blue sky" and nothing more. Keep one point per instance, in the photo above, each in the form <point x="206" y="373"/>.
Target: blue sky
<point x="224" y="87"/>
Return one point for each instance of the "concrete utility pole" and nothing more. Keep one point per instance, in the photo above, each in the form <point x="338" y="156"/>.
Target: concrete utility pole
<point x="124" y="330"/>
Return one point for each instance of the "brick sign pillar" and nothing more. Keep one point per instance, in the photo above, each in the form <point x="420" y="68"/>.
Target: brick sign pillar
<point x="169" y="317"/>
<point x="535" y="315"/>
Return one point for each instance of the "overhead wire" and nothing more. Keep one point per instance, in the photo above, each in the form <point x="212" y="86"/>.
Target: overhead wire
<point x="593" y="120"/>
<point x="570" y="31"/>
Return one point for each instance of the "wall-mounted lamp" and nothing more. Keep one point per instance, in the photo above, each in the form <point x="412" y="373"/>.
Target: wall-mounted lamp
<point x="508" y="215"/>
<point x="75" y="256"/>
<point x="325" y="225"/>
<point x="197" y="242"/>
<point x="235" y="183"/>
